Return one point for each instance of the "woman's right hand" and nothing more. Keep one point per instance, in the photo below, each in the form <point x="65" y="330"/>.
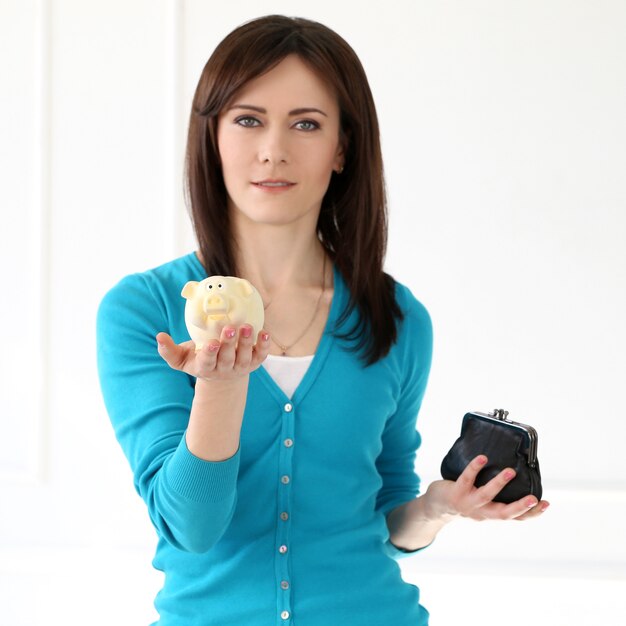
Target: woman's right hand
<point x="229" y="358"/>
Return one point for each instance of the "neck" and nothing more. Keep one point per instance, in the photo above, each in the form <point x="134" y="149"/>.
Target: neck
<point x="276" y="259"/>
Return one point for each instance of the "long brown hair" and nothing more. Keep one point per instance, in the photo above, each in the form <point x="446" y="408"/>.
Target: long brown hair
<point x="352" y="224"/>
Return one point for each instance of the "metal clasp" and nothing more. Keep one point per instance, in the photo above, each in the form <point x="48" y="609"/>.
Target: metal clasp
<point x="500" y="414"/>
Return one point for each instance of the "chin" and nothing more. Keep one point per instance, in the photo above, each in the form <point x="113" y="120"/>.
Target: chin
<point x="267" y="218"/>
<point x="273" y="214"/>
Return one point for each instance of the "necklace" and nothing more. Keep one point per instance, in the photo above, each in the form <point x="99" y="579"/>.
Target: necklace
<point x="283" y="347"/>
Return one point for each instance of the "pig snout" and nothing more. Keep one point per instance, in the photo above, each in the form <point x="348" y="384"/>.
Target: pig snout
<point x="215" y="304"/>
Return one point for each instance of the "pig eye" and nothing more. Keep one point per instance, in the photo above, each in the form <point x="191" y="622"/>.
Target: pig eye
<point x="220" y="286"/>
<point x="209" y="287"/>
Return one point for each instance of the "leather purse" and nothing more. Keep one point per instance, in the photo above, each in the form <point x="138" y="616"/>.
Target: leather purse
<point x="505" y="444"/>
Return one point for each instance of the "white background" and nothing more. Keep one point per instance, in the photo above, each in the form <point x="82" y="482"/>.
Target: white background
<point x="504" y="138"/>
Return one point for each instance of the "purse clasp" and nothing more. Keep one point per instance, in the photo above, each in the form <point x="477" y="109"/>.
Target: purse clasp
<point x="500" y="414"/>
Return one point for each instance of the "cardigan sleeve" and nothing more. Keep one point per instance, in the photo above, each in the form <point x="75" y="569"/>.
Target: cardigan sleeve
<point x="190" y="501"/>
<point x="400" y="439"/>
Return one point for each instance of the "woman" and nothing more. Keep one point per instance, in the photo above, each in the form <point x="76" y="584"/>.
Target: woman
<point x="278" y="469"/>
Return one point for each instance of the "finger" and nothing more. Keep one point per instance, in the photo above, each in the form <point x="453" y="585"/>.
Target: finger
<point x="243" y="355"/>
<point x="468" y="476"/>
<point x="206" y="360"/>
<point x="175" y="356"/>
<point x="226" y="354"/>
<point x="515" y="510"/>
<point x="490" y="490"/>
<point x="261" y="349"/>
<point x="524" y="508"/>
<point x="534" y="512"/>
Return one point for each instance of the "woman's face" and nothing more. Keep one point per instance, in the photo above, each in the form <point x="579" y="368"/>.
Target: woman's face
<point x="264" y="134"/>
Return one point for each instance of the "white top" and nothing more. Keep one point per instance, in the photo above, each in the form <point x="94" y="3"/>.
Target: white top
<point x="287" y="371"/>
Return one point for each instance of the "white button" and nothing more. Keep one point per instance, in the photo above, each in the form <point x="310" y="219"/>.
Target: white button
<point x="284" y="516"/>
<point x="288" y="443"/>
<point x="284" y="480"/>
<point x="288" y="408"/>
<point x="282" y="549"/>
<point x="284" y="584"/>
<point x="285" y="614"/>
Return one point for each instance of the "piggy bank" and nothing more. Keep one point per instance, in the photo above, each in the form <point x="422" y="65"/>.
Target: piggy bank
<point x="218" y="301"/>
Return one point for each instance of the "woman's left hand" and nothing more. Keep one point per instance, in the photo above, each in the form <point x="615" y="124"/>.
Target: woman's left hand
<point x="415" y="524"/>
<point x="446" y="498"/>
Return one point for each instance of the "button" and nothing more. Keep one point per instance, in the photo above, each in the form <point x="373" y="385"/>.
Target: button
<point x="284" y="516"/>
<point x="284" y="584"/>
<point x="282" y="549"/>
<point x="285" y="614"/>
<point x="284" y="480"/>
<point x="288" y="408"/>
<point x="288" y="443"/>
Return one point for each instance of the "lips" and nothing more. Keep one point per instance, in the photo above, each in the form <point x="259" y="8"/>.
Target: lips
<point x="274" y="182"/>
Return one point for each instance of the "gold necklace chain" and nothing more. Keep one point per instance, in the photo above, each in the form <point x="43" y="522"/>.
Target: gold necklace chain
<point x="284" y="348"/>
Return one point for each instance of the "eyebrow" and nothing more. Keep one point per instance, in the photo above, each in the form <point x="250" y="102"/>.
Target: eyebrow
<point x="262" y="110"/>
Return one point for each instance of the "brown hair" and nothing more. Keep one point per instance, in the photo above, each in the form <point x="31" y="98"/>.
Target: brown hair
<point x="352" y="225"/>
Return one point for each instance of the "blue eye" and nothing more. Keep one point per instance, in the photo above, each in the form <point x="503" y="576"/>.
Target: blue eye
<point x="249" y="122"/>
<point x="314" y="125"/>
<point x="242" y="119"/>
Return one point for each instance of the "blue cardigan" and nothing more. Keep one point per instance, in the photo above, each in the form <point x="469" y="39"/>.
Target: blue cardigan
<point x="291" y="530"/>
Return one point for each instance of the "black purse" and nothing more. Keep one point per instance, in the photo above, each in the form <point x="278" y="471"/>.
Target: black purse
<point x="505" y="444"/>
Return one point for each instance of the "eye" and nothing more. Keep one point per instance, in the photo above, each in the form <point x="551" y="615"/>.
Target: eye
<point x="314" y="125"/>
<point x="239" y="121"/>
<point x="209" y="287"/>
<point x="220" y="286"/>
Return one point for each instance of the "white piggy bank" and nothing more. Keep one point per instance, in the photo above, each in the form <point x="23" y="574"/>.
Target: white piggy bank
<point x="218" y="301"/>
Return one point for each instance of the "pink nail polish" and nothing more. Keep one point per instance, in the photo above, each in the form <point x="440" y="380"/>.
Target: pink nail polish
<point x="246" y="332"/>
<point x="508" y="475"/>
<point x="230" y="333"/>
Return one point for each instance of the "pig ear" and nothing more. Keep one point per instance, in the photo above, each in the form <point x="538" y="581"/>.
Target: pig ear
<point x="189" y="290"/>
<point x="245" y="287"/>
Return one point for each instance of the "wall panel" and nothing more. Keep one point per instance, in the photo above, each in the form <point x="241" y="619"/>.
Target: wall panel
<point x="24" y="316"/>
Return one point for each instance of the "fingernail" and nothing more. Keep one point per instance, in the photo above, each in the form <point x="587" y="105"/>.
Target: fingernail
<point x="265" y="337"/>
<point x="213" y="347"/>
<point x="509" y="474"/>
<point x="482" y="460"/>
<point x="230" y="333"/>
<point x="531" y="503"/>
<point x="545" y="507"/>
<point x="246" y="332"/>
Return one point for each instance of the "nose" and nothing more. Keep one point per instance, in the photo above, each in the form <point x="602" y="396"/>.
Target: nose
<point x="273" y="148"/>
<point x="215" y="301"/>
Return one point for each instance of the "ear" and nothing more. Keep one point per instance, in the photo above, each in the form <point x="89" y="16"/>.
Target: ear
<point x="245" y="287"/>
<point x="342" y="149"/>
<point x="189" y="290"/>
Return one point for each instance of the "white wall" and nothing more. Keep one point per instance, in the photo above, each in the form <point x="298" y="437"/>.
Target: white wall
<point x="504" y="139"/>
